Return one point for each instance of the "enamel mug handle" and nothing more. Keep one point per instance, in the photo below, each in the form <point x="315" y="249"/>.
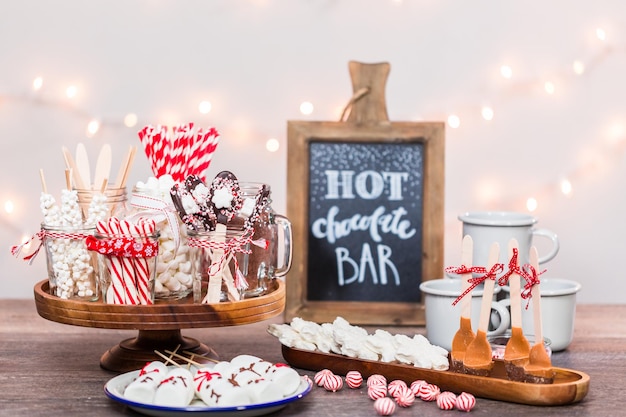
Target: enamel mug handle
<point x="555" y="243"/>
<point x="505" y="319"/>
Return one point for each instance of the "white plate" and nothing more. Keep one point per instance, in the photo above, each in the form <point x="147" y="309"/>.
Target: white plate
<point x="114" y="389"/>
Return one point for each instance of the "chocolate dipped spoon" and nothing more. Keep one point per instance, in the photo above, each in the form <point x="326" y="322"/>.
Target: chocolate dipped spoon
<point x="539" y="366"/>
<point x="465" y="335"/>
<point x="177" y="199"/>
<point x="517" y="348"/>
<point x="478" y="356"/>
<point x="188" y="208"/>
<point x="204" y="216"/>
<point x="224" y="202"/>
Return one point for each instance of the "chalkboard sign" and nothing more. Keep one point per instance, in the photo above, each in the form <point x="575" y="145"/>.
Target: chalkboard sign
<point x="366" y="206"/>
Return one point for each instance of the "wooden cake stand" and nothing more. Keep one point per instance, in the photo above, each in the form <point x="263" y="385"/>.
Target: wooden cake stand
<point x="159" y="325"/>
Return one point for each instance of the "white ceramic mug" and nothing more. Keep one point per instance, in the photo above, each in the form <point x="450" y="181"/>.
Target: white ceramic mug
<point x="487" y="227"/>
<point x="443" y="319"/>
<point x="558" y="310"/>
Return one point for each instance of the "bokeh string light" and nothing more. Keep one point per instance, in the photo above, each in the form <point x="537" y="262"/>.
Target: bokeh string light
<point x="515" y="86"/>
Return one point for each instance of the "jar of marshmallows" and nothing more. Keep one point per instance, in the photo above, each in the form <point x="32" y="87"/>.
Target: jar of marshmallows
<point x="173" y="265"/>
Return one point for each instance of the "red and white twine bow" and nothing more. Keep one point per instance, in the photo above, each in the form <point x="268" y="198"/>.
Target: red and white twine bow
<point x="157" y="210"/>
<point x="528" y="272"/>
<point x="40" y="236"/>
<point x="514" y="268"/>
<point x="237" y="244"/>
<point x="491" y="274"/>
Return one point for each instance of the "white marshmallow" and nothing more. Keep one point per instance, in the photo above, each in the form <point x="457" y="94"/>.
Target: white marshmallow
<point x="285" y="377"/>
<point x="176" y="390"/>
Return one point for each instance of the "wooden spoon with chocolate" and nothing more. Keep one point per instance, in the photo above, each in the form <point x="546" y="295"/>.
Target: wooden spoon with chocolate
<point x="478" y="357"/>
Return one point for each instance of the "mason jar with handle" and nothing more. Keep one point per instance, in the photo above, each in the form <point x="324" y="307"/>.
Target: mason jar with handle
<point x="262" y="265"/>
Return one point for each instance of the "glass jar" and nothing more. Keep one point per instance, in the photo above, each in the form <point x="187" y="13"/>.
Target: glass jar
<point x="71" y="266"/>
<point x="263" y="265"/>
<point x="216" y="259"/>
<point x="116" y="201"/>
<point x="174" y="279"/>
<point x="126" y="266"/>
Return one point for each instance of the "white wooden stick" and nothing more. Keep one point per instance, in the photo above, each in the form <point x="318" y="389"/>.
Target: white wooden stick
<point x="515" y="291"/>
<point x="536" y="297"/>
<point x="44" y="188"/>
<point x="466" y="260"/>
<point x="103" y="165"/>
<point x="82" y="163"/>
<point x="217" y="267"/>
<point x="485" y="307"/>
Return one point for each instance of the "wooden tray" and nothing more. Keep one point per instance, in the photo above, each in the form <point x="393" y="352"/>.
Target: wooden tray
<point x="159" y="325"/>
<point x="569" y="386"/>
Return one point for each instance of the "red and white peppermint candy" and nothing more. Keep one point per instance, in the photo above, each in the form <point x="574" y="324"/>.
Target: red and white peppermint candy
<point x="376" y="379"/>
<point x="415" y="386"/>
<point x="404" y="397"/>
<point x="396" y="386"/>
<point x="384" y="406"/>
<point x="428" y="392"/>
<point x="446" y="400"/>
<point x="377" y="391"/>
<point x="465" y="401"/>
<point x="354" y="379"/>
<point x="333" y="383"/>
<point x="321" y="377"/>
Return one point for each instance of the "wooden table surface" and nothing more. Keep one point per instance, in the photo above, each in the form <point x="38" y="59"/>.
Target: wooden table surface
<point x="52" y="369"/>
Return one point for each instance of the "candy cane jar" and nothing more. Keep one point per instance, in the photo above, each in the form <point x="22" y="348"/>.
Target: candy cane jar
<point x="71" y="267"/>
<point x="126" y="265"/>
<point x="264" y="264"/>
<point x="174" y="279"/>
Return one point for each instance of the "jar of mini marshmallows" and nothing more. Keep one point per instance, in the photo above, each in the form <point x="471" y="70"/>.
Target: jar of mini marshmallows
<point x="71" y="271"/>
<point x="152" y="199"/>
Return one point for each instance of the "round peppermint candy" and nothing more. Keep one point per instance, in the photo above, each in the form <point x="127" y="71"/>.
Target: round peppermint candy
<point x="415" y="386"/>
<point x="428" y="392"/>
<point x="396" y="386"/>
<point x="465" y="401"/>
<point x="384" y="406"/>
<point x="354" y="379"/>
<point x="446" y="400"/>
<point x="333" y="383"/>
<point x="404" y="397"/>
<point x="376" y="379"/>
<point x="321" y="377"/>
<point x="377" y="391"/>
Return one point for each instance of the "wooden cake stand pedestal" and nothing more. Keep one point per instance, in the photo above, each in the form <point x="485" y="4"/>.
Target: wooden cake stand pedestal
<point x="159" y="325"/>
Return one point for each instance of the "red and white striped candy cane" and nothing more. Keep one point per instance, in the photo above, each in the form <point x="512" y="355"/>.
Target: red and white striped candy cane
<point x="145" y="228"/>
<point x="129" y="280"/>
<point x="115" y="292"/>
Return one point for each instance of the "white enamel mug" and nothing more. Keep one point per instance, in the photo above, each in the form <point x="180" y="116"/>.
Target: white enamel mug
<point x="487" y="227"/>
<point x="443" y="319"/>
<point x="558" y="310"/>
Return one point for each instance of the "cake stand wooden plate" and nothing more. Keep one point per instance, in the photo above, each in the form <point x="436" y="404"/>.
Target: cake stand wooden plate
<point x="159" y="325"/>
<point x="569" y="386"/>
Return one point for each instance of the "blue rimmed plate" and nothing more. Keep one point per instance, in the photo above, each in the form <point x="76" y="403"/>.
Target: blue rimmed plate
<point x="115" y="387"/>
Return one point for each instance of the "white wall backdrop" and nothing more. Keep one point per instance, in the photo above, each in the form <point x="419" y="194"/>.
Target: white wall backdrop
<point x="560" y="116"/>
